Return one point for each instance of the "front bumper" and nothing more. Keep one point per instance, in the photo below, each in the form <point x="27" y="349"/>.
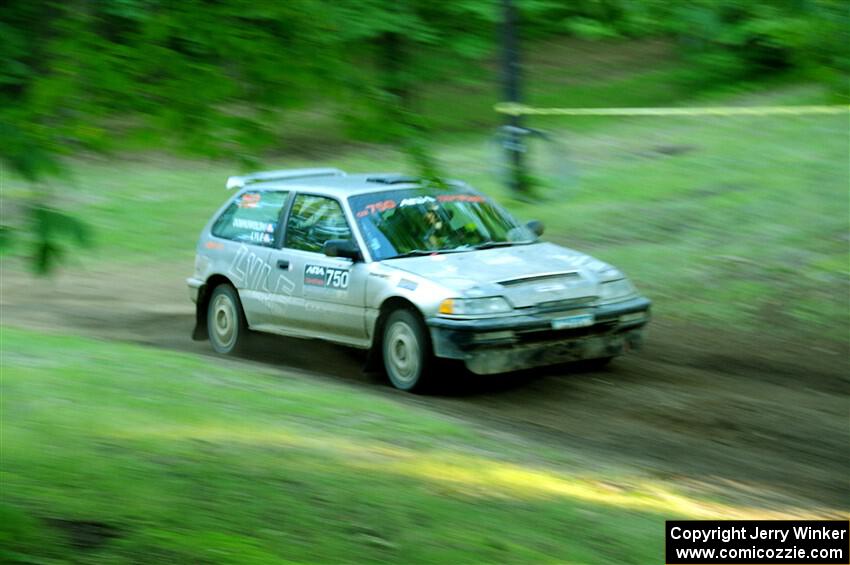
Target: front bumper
<point x="497" y="345"/>
<point x="194" y="288"/>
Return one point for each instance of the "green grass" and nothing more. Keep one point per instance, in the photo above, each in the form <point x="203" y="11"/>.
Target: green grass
<point x="199" y="461"/>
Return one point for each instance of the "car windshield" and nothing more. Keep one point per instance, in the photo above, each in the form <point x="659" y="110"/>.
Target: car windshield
<point x="409" y="222"/>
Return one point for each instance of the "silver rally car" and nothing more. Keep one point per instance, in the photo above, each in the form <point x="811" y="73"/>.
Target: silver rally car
<point x="410" y="271"/>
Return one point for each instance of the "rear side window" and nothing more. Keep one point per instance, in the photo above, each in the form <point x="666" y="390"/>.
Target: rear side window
<point x="251" y="218"/>
<point x="313" y="221"/>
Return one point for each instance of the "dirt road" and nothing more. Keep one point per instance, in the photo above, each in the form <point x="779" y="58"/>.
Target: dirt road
<point x="744" y="417"/>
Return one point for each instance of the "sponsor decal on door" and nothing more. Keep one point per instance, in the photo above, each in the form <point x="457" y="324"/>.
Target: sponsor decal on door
<point x="326" y="277"/>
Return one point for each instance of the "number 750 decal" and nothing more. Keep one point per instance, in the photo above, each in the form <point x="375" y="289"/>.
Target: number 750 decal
<point x="326" y="277"/>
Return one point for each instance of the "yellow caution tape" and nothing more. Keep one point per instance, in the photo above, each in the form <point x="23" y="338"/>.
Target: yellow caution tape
<point x="522" y="110"/>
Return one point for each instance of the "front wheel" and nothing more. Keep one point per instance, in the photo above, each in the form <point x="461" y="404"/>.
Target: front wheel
<point x="226" y="325"/>
<point x="406" y="350"/>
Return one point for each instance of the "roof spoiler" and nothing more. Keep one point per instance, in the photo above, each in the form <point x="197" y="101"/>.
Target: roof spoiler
<point x="283" y="174"/>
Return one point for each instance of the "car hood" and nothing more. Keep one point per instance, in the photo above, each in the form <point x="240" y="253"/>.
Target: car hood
<point x="525" y="274"/>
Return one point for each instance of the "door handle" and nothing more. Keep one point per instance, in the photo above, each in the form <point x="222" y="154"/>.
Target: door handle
<point x="283" y="264"/>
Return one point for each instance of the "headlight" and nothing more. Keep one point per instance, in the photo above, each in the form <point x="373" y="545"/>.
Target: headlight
<point x="474" y="306"/>
<point x="616" y="289"/>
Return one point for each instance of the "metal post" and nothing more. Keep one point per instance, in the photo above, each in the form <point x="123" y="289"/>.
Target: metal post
<point x="513" y="143"/>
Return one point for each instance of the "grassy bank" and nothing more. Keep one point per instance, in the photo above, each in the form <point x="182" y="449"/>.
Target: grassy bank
<point x="178" y="459"/>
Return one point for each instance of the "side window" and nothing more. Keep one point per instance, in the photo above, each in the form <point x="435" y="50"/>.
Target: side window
<point x="313" y="221"/>
<point x="251" y="218"/>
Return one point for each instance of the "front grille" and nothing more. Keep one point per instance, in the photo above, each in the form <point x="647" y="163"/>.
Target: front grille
<point x="537" y="336"/>
<point x="559" y="306"/>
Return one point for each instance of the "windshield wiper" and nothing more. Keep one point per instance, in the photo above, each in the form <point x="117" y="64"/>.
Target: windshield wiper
<point x="423" y="252"/>
<point x="461" y="249"/>
<point x="492" y="244"/>
<point x="415" y="253"/>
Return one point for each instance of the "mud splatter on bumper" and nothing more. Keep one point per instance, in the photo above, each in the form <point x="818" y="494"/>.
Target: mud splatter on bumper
<point x="498" y="345"/>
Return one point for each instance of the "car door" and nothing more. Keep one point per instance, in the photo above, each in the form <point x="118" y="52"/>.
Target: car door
<point x="316" y="295"/>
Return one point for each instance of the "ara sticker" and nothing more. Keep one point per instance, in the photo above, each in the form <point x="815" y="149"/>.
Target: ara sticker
<point x="417" y="200"/>
<point x="326" y="277"/>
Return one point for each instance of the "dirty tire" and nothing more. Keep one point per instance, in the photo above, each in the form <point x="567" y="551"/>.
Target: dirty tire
<point x="226" y="325"/>
<point x="406" y="351"/>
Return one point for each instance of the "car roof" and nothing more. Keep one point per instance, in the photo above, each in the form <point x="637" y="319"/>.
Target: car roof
<point x="345" y="185"/>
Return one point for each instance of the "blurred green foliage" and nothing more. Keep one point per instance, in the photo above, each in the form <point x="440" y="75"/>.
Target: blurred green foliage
<point x="209" y="77"/>
<point x="723" y="39"/>
<point x="212" y="78"/>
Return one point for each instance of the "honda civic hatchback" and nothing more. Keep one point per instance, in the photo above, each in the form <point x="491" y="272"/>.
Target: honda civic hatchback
<point x="406" y="269"/>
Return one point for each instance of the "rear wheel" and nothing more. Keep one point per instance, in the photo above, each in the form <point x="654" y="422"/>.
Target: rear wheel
<point x="406" y="349"/>
<point x="226" y="325"/>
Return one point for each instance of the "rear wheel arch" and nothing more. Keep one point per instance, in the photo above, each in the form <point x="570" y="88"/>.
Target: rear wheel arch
<point x="226" y="325"/>
<point x="204" y="294"/>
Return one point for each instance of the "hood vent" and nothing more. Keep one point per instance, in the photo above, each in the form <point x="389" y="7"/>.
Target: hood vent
<point x="394" y="179"/>
<point x="569" y="276"/>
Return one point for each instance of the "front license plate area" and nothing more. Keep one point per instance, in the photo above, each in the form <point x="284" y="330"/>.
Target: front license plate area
<point x="575" y="321"/>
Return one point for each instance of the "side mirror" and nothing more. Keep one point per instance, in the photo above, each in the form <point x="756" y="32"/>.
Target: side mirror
<point x="341" y="248"/>
<point x="536" y="227"/>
